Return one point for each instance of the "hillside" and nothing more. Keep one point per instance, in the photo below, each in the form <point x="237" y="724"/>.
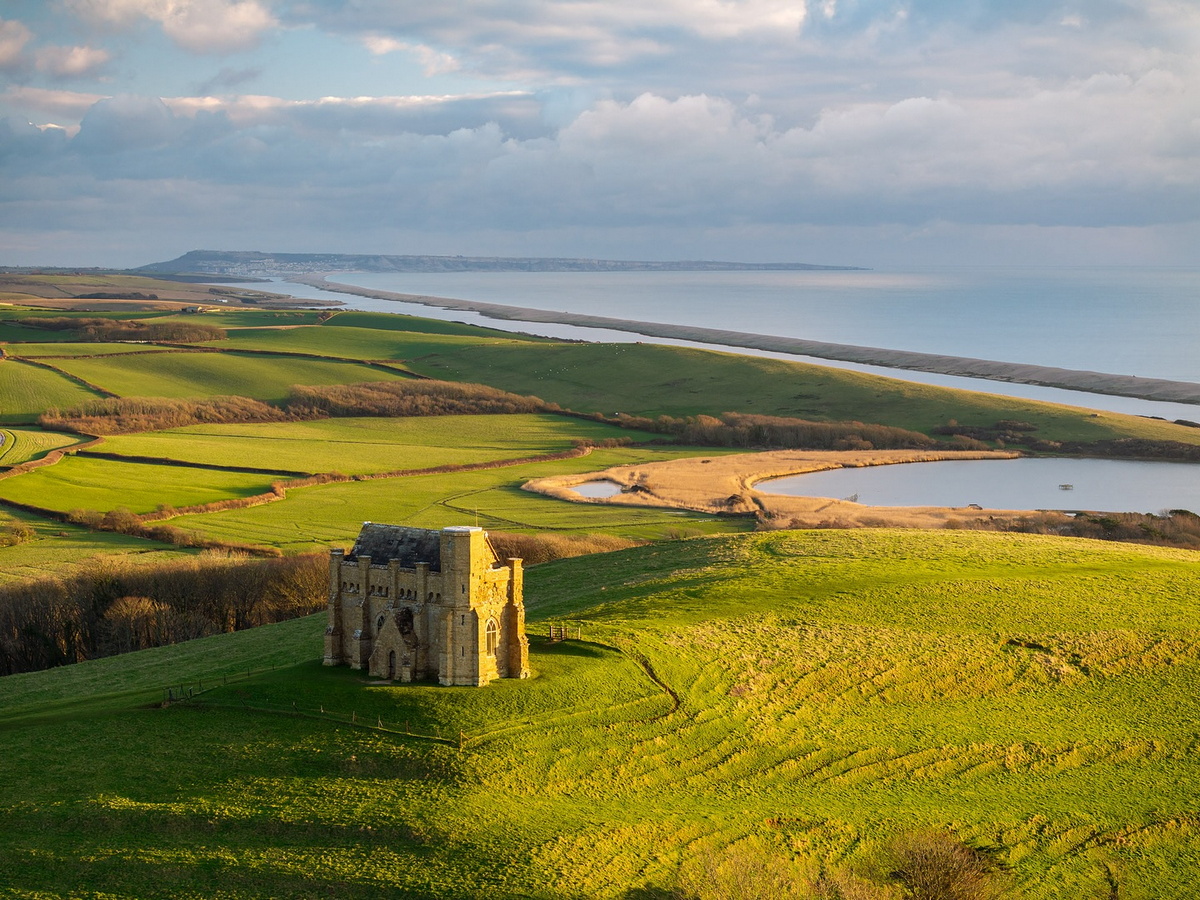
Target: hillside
<point x="255" y="262"/>
<point x="796" y="699"/>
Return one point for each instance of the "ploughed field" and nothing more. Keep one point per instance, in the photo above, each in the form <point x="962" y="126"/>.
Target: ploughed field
<point x="814" y="695"/>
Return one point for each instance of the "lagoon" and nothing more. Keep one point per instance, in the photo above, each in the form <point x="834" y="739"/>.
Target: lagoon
<point x="597" y="490"/>
<point x="1099" y="485"/>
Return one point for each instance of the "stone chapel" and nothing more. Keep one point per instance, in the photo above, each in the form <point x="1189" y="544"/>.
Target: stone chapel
<point x="410" y="604"/>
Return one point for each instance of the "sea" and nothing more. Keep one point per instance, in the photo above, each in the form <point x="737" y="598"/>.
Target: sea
<point x="1119" y="320"/>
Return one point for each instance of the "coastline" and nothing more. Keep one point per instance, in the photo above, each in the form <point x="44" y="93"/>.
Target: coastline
<point x="993" y="370"/>
<point x="726" y="484"/>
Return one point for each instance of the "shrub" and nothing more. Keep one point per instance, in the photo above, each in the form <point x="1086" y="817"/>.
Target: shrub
<point x="933" y="865"/>
<point x="127" y="415"/>
<point x="425" y="397"/>
<point x="748" y="430"/>
<point x="15" y="533"/>
<point x="98" y="330"/>
<point x="539" y="548"/>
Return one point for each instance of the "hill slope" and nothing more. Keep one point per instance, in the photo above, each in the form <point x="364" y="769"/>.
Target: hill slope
<point x="815" y="693"/>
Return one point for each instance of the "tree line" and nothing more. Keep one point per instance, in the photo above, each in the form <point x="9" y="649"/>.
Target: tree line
<point x="97" y="330"/>
<point x="750" y="430"/>
<point x="116" y="606"/>
<point x="425" y="397"/>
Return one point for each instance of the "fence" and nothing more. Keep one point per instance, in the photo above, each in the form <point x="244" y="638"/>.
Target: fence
<point x="563" y="632"/>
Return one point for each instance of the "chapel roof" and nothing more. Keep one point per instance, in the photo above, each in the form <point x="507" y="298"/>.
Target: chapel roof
<point x="410" y="546"/>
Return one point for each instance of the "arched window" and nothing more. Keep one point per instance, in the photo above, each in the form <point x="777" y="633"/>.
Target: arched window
<point x="493" y="636"/>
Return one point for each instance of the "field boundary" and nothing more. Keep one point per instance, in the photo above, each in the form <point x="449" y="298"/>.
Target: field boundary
<point x="103" y="392"/>
<point x="386" y="366"/>
<point x="185" y="464"/>
<point x="52" y="457"/>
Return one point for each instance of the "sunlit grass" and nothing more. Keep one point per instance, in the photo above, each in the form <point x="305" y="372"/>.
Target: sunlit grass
<point x="26" y="390"/>
<point x="833" y="689"/>
<point x="20" y="445"/>
<point x="99" y="484"/>
<point x="362" y="445"/>
<point x="332" y="514"/>
<point x="186" y="374"/>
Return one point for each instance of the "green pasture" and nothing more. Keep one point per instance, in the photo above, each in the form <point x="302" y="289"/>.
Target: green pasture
<point x="239" y="317"/>
<point x="332" y="514"/>
<point x="215" y="374"/>
<point x="355" y="446"/>
<point x="21" y="445"/>
<point x="26" y="391"/>
<point x="11" y="331"/>
<point x="80" y="482"/>
<point x="354" y="343"/>
<point x="818" y="694"/>
<point x="77" y="348"/>
<point x="397" y="322"/>
<point x="652" y="380"/>
<point x="57" y="550"/>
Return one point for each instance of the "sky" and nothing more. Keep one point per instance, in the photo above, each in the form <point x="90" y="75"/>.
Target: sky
<point x="854" y="132"/>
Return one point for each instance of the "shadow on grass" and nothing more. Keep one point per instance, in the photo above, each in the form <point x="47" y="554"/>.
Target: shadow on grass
<point x="543" y="647"/>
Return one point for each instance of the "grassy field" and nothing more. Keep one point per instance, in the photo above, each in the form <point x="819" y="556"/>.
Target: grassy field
<point x="355" y="343"/>
<point x="393" y="322"/>
<point x="25" y="391"/>
<point x="101" y="484"/>
<point x="249" y="318"/>
<point x="362" y="445"/>
<point x="332" y="514"/>
<point x="58" y="550"/>
<point x="645" y="379"/>
<point x="819" y="693"/>
<point x="20" y="445"/>
<point x="76" y="348"/>
<point x="214" y="374"/>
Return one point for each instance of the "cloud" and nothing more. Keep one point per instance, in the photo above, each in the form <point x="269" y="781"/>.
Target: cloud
<point x="130" y="125"/>
<point x="723" y="117"/>
<point x="200" y="26"/>
<point x="546" y="38"/>
<point x="40" y="103"/>
<point x="1103" y="151"/>
<point x="350" y="118"/>
<point x="227" y="79"/>
<point x="433" y="62"/>
<point x="13" y="38"/>
<point x="70" y="62"/>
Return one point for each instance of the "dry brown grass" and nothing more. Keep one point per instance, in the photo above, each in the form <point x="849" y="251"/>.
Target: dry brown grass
<point x="533" y="549"/>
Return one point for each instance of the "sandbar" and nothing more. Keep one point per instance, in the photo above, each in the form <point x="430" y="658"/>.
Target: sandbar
<point x="724" y="484"/>
<point x="965" y="366"/>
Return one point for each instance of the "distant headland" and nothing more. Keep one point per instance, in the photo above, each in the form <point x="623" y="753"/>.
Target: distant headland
<point x="256" y="264"/>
